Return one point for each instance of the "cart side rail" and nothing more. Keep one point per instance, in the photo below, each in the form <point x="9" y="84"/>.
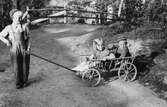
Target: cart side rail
<point x="129" y="59"/>
<point x="111" y="63"/>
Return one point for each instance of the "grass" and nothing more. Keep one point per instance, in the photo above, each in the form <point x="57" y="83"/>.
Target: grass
<point x="151" y="76"/>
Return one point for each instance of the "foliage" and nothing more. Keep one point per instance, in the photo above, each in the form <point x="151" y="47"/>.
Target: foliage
<point x="32" y="4"/>
<point x="132" y="12"/>
<point x="136" y="13"/>
<point x="37" y="4"/>
<point x="4" y="17"/>
<point x="21" y="4"/>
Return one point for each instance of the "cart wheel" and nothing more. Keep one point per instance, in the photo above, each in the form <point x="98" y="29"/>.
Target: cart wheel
<point x="92" y="76"/>
<point x="127" y="72"/>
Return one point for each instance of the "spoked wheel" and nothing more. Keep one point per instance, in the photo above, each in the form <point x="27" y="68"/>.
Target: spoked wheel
<point x="127" y="72"/>
<point x="92" y="77"/>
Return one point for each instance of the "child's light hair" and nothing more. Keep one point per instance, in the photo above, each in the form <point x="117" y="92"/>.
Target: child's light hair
<point x="98" y="44"/>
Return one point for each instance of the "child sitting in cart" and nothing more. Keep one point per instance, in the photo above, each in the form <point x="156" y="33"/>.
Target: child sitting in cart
<point x="121" y="49"/>
<point x="103" y="53"/>
<point x="100" y="52"/>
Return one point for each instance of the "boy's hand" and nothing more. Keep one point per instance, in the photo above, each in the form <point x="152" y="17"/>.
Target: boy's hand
<point x="27" y="10"/>
<point x="25" y="14"/>
<point x="28" y="51"/>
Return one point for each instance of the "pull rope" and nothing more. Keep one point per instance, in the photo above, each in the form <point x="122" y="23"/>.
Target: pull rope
<point x="47" y="60"/>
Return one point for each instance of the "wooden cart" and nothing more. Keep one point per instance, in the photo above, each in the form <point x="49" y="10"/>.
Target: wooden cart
<point x="124" y="67"/>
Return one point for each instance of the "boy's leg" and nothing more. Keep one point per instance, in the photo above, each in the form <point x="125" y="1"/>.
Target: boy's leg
<point x="26" y="63"/>
<point x="17" y="69"/>
<point x="19" y="63"/>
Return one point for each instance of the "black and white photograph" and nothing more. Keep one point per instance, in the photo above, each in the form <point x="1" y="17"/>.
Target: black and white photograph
<point x="83" y="53"/>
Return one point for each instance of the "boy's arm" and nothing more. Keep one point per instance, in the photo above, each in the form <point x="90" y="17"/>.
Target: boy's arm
<point x="28" y="22"/>
<point x="3" y="36"/>
<point x="28" y="38"/>
<point x="26" y="17"/>
<point x="26" y="27"/>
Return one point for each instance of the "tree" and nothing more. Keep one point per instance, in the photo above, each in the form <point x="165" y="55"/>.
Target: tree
<point x="4" y="17"/>
<point x="101" y="6"/>
<point x="20" y="4"/>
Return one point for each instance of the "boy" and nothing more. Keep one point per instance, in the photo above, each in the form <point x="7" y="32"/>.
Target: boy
<point x="16" y="36"/>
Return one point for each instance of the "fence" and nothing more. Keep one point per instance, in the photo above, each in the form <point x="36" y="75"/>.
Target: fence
<point x="75" y="14"/>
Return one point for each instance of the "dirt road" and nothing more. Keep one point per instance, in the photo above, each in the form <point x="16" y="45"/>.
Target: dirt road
<point x="52" y="86"/>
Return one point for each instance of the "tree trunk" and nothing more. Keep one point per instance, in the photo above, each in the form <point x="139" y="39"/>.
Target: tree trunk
<point x="120" y="8"/>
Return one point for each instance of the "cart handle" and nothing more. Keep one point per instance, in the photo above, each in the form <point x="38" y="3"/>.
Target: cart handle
<point x="55" y="63"/>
